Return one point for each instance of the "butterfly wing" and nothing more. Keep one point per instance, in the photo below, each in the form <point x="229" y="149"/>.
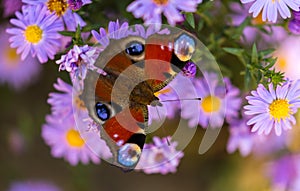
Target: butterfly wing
<point x="165" y="57"/>
<point x="109" y="102"/>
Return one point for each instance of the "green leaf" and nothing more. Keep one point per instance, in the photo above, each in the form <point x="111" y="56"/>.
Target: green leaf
<point x="200" y="25"/>
<point x="247" y="79"/>
<point x="67" y="33"/>
<point x="190" y="19"/>
<point x="235" y="51"/>
<point x="254" y="57"/>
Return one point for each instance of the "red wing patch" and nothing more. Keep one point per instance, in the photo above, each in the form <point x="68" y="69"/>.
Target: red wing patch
<point x="123" y="125"/>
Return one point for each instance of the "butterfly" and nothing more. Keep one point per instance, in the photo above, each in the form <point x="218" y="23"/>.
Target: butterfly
<point x="134" y="69"/>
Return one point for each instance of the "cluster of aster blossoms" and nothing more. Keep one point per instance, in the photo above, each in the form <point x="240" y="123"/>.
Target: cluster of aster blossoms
<point x="36" y="28"/>
<point x="61" y="130"/>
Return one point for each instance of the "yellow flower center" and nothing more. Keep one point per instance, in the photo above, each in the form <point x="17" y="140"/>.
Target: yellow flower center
<point x="279" y="109"/>
<point x="74" y="139"/>
<point x="211" y="104"/>
<point x="57" y="6"/>
<point x="160" y="2"/>
<point x="163" y="91"/>
<point x="258" y="20"/>
<point x="12" y="57"/>
<point x="33" y="34"/>
<point x="159" y="157"/>
<point x="281" y="63"/>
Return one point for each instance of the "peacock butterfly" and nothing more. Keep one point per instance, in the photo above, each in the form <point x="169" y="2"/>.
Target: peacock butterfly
<point x="134" y="69"/>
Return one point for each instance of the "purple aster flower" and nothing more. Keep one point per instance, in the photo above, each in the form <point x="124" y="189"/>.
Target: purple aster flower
<point x="67" y="142"/>
<point x="77" y="4"/>
<point x="35" y="33"/>
<point x="170" y="99"/>
<point x="151" y="10"/>
<point x="270" y="8"/>
<point x="87" y="144"/>
<point x="14" y="71"/>
<point x="62" y="10"/>
<point x="251" y="34"/>
<point x="78" y="60"/>
<point x="241" y="138"/>
<point x="61" y="103"/>
<point x="10" y="7"/>
<point x="285" y="173"/>
<point x="160" y="157"/>
<point x="273" y="109"/>
<point x="217" y="102"/>
<point x="115" y="31"/>
<point x="33" y="185"/>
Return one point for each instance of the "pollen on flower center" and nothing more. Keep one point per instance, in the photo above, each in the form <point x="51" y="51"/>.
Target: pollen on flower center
<point x="74" y="139"/>
<point x="279" y="109"/>
<point x="159" y="157"/>
<point x="33" y="34"/>
<point x="258" y="20"/>
<point x="160" y="2"/>
<point x="211" y="104"/>
<point x="57" y="6"/>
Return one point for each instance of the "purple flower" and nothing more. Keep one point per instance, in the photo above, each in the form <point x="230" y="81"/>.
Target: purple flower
<point x="251" y="34"/>
<point x="160" y="157"/>
<point x="169" y="97"/>
<point x="10" y="7"/>
<point x="217" y="102"/>
<point x="151" y="10"/>
<point x="61" y="103"/>
<point x="285" y="173"/>
<point x="77" y="4"/>
<point x="14" y="71"/>
<point x="33" y="185"/>
<point x="35" y="33"/>
<point x="62" y="10"/>
<point x="241" y="138"/>
<point x="270" y="8"/>
<point x="189" y="70"/>
<point x="78" y="60"/>
<point x="66" y="141"/>
<point x="115" y="31"/>
<point x="67" y="130"/>
<point x="273" y="109"/>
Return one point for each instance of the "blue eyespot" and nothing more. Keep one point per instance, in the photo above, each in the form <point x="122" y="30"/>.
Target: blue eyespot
<point x="134" y="48"/>
<point x="102" y="111"/>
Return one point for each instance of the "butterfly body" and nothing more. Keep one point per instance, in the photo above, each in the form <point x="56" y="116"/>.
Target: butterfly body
<point x="134" y="70"/>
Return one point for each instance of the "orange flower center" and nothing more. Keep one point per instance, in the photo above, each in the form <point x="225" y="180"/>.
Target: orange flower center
<point x="74" y="139"/>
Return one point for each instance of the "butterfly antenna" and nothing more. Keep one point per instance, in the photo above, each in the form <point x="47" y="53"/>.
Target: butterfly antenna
<point x="197" y="98"/>
<point x="164" y="130"/>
